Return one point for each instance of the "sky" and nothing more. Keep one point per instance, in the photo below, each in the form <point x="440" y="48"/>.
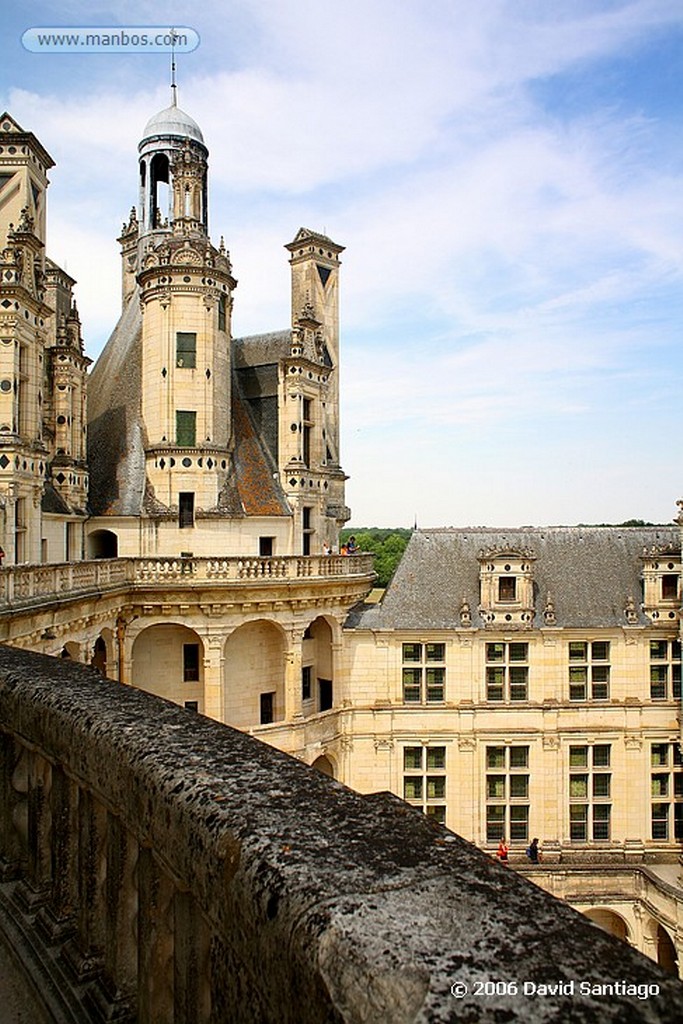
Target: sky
<point x="507" y="179"/>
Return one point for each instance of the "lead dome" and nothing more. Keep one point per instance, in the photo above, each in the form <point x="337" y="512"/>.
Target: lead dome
<point x="173" y="121"/>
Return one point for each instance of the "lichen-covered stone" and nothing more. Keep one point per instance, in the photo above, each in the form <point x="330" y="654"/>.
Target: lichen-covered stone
<point x="321" y="904"/>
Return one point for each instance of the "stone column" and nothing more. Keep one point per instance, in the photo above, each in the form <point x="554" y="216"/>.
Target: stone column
<point x="121" y="907"/>
<point x="88" y="954"/>
<point x="192" y="973"/>
<point x="12" y="800"/>
<point x="214" y="705"/>
<point x="293" y="661"/>
<point x="155" y="942"/>
<point x="64" y="812"/>
<point x="39" y="874"/>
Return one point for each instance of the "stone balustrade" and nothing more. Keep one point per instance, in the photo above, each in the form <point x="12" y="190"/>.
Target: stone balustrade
<point x="26" y="585"/>
<point x="162" y="868"/>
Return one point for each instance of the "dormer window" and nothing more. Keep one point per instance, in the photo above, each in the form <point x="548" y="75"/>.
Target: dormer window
<point x="662" y="585"/>
<point x="506" y="587"/>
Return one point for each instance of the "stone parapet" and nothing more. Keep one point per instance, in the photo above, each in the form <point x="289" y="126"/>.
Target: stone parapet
<point x="180" y="870"/>
<point x="30" y="585"/>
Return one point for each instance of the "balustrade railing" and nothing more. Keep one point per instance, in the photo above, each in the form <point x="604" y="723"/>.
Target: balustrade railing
<point x="29" y="584"/>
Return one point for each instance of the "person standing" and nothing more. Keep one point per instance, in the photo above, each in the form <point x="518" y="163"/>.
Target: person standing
<point x="533" y="852"/>
<point x="503" y="852"/>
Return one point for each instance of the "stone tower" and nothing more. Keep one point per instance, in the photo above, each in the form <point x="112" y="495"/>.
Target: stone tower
<point x="185" y="286"/>
<point x="309" y="415"/>
<point x="43" y="475"/>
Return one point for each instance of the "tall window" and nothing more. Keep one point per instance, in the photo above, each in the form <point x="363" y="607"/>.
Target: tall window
<point x="507" y="588"/>
<point x="307" y="531"/>
<point x="665" y="669"/>
<point x="186" y="350"/>
<point x="589" y="670"/>
<point x="424" y="779"/>
<point x="267" y="708"/>
<point x="424" y="673"/>
<point x="306" y="682"/>
<point x="667" y="791"/>
<point x="307" y="427"/>
<point x="186" y="508"/>
<point x="670" y="586"/>
<point x="507" y="671"/>
<point x="507" y="793"/>
<point x="185" y="428"/>
<point x="590" y="784"/>
<point x="190" y="663"/>
<point x="222" y="319"/>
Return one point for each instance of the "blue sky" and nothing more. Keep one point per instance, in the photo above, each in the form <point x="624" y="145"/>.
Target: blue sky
<point x="507" y="180"/>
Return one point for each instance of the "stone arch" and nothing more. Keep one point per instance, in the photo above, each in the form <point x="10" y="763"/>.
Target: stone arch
<point x="667" y="958"/>
<point x="168" y="660"/>
<point x="325" y="765"/>
<point x="71" y="651"/>
<point x="103" y="544"/>
<point x="317" y="659"/>
<point x="254" y="675"/>
<point x="610" y="922"/>
<point x="102" y="652"/>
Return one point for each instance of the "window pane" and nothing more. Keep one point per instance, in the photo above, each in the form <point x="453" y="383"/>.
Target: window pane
<point x="186" y="428"/>
<point x="412" y="788"/>
<point x="660" y="753"/>
<point x="435" y="683"/>
<point x="660" y="821"/>
<point x="186" y="350"/>
<point x="437" y="812"/>
<point x="436" y="787"/>
<point x="578" y="818"/>
<point x="601" y="785"/>
<point x="436" y="652"/>
<point x="412" y="757"/>
<point x="519" y="823"/>
<point x="518" y="683"/>
<point x="676" y="650"/>
<point x="519" y="786"/>
<point x="578" y="787"/>
<point x="600" y="650"/>
<point x="519" y="757"/>
<point x="507" y="588"/>
<point x="495" y="787"/>
<point x="578" y="651"/>
<point x="190" y="663"/>
<point x="495" y="652"/>
<point x="436" y="757"/>
<point x="660" y="785"/>
<point x="412" y="652"/>
<point x="601" y="819"/>
<point x="658" y="649"/>
<point x="578" y="757"/>
<point x="519" y="652"/>
<point x="495" y="757"/>
<point x="601" y="755"/>
<point x="412" y="680"/>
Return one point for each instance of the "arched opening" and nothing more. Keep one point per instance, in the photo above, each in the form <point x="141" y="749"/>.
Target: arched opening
<point x="666" y="951"/>
<point x="168" y="660"/>
<point x="103" y="544"/>
<point x="610" y="922"/>
<point x="324" y="765"/>
<point x="255" y="675"/>
<point x="70" y="650"/>
<point x="317" y="681"/>
<point x="99" y="656"/>
<point x="159" y="193"/>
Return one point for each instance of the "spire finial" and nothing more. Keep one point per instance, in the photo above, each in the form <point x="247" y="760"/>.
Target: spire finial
<point x="174" y="87"/>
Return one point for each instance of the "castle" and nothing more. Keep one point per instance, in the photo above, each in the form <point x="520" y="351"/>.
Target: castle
<point x="511" y="683"/>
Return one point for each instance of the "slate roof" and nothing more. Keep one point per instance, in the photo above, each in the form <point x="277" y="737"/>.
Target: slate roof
<point x="116" y="444"/>
<point x="590" y="572"/>
<point x="116" y="436"/>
